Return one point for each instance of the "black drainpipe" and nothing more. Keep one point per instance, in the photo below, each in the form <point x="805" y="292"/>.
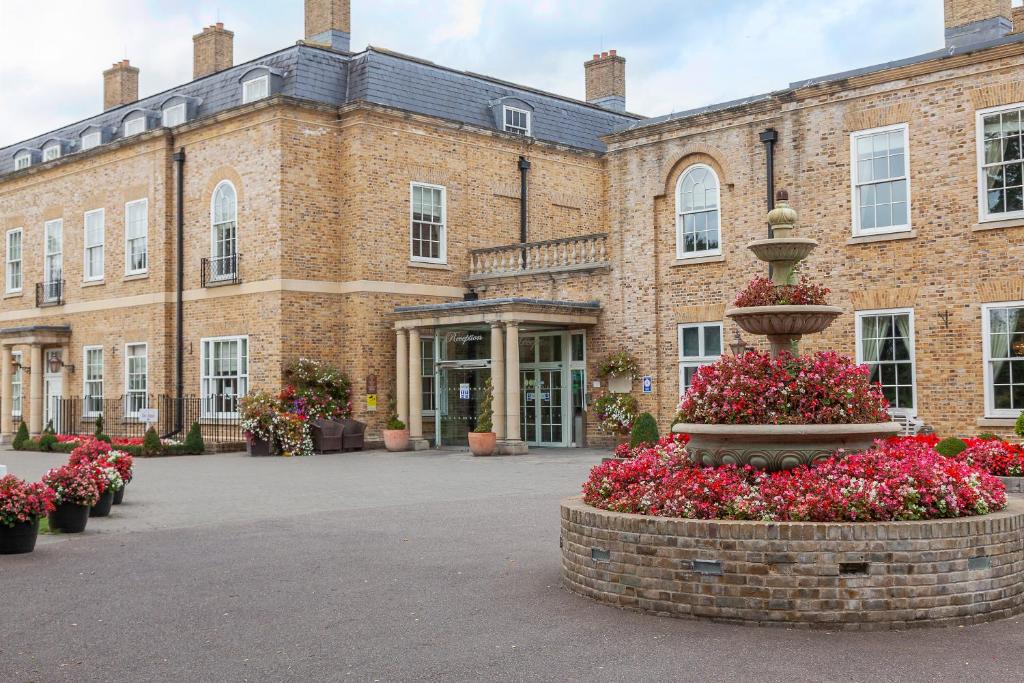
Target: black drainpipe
<point x="524" y="169"/>
<point x="179" y="324"/>
<point x="769" y="137"/>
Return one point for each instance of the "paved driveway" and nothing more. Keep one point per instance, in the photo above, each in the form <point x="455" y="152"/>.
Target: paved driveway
<point x="375" y="566"/>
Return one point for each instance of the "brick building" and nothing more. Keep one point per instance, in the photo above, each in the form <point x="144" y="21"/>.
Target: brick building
<point x="405" y="220"/>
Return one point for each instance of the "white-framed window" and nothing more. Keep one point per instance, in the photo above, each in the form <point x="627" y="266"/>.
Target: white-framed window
<point x="136" y="377"/>
<point x="1003" y="334"/>
<point x="880" y="179"/>
<point x="517" y="121"/>
<point x="93" y="251"/>
<point x="224" y="232"/>
<point x="174" y="115"/>
<point x="136" y="236"/>
<point x="699" y="344"/>
<point x="885" y="343"/>
<point x="428" y="223"/>
<point x="256" y="89"/>
<point x="90" y="140"/>
<point x="134" y="126"/>
<point x="698" y="197"/>
<point x="53" y="259"/>
<point x="23" y="160"/>
<point x="92" y="381"/>
<point x="13" y="258"/>
<point x="51" y="152"/>
<point x="427" y="373"/>
<point x="17" y="380"/>
<point x="225" y="374"/>
<point x="1000" y="163"/>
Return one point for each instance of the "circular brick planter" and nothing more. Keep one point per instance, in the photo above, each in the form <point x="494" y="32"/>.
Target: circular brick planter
<point x="838" y="576"/>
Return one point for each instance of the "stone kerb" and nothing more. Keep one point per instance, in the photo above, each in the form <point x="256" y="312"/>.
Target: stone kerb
<point x="839" y="576"/>
<point x="1013" y="484"/>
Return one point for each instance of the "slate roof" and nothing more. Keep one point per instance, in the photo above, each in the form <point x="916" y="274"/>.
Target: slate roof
<point x="376" y="76"/>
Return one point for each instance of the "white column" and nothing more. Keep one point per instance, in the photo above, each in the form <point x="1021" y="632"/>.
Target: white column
<point x="402" y="375"/>
<point x="6" y="403"/>
<point x="512" y="385"/>
<point x="36" y="371"/>
<point x="415" y="386"/>
<point x="498" y="378"/>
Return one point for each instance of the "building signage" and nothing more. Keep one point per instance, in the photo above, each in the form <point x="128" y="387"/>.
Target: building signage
<point x="371" y="402"/>
<point x="648" y="384"/>
<point x="147" y="415"/>
<point x="464" y="390"/>
<point x="463" y="337"/>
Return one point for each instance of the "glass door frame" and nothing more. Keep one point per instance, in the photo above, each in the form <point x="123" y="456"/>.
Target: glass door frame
<point x="565" y="367"/>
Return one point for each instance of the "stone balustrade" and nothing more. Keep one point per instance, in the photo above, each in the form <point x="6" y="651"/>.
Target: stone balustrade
<point x="582" y="253"/>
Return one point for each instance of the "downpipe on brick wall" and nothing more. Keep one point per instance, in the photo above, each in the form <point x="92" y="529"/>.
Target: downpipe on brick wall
<point x="179" y="311"/>
<point x="769" y="137"/>
<point x="524" y="169"/>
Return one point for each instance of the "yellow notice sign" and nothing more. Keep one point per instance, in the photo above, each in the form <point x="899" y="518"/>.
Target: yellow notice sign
<point x="371" y="401"/>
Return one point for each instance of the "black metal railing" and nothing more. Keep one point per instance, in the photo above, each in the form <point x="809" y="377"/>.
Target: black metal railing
<point x="217" y="416"/>
<point x="221" y="270"/>
<point x="49" y="293"/>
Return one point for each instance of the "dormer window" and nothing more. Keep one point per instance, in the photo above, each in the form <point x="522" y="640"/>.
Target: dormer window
<point x="23" y="160"/>
<point x="517" y="121"/>
<point x="174" y="115"/>
<point x="256" y="89"/>
<point x="51" y="152"/>
<point x="136" y="125"/>
<point x="90" y="140"/>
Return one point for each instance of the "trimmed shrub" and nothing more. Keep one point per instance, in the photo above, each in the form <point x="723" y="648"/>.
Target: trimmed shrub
<point x="47" y="442"/>
<point x="645" y="431"/>
<point x="988" y="436"/>
<point x="99" y="426"/>
<point x="1018" y="429"/>
<point x="194" y="444"/>
<point x="151" y="446"/>
<point x="21" y="438"/>
<point x="48" y="429"/>
<point x="951" y="447"/>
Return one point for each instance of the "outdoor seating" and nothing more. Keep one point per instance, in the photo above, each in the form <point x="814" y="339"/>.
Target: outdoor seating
<point x="327" y="435"/>
<point x="352" y="438"/>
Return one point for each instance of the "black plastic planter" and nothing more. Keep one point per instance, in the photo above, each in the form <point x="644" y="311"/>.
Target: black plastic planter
<point x="119" y="496"/>
<point x="69" y="518"/>
<point x="258" y="448"/>
<point x="102" y="506"/>
<point x="18" y="539"/>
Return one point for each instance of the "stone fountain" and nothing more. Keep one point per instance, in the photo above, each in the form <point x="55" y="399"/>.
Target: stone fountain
<point x="775" y="447"/>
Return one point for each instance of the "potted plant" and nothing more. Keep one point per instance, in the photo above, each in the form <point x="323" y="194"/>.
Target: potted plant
<point x="259" y="412"/>
<point x="110" y="482"/>
<point x="396" y="432"/>
<point x="21" y="506"/>
<point x="616" y="414"/>
<point x="75" y="491"/>
<point x="124" y="463"/>
<point x="483" y="440"/>
<point x="620" y="369"/>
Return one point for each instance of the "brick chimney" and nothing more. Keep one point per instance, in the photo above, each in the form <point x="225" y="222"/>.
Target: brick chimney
<point x="120" y="84"/>
<point x="329" y="22"/>
<point x="976" y="21"/>
<point x="606" y="80"/>
<point x="212" y="50"/>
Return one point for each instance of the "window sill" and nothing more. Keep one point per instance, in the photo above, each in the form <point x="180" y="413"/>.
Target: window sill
<point x="883" y="237"/>
<point x="716" y="258"/>
<point x="14" y="295"/>
<point x="998" y="225"/>
<point x="996" y="422"/>
<point x="93" y="283"/>
<point x="429" y="265"/>
<point x="135" y="276"/>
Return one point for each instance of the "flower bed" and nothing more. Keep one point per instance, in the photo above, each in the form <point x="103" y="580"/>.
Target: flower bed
<point x="763" y="292"/>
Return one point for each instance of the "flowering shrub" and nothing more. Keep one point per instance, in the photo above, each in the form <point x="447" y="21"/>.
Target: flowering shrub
<point x="89" y="451"/>
<point x="292" y="434"/>
<point x="123" y="462"/>
<point x="995" y="457"/>
<point x="823" y="388"/>
<point x="619" y="363"/>
<point x="257" y="412"/>
<point x="316" y="390"/>
<point x="624" y="450"/>
<point x="897" y="480"/>
<point x="22" y="502"/>
<point x="763" y="292"/>
<point x="76" y="485"/>
<point x="616" y="413"/>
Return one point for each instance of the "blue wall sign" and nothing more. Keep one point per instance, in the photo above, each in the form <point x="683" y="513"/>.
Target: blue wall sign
<point x="648" y="384"/>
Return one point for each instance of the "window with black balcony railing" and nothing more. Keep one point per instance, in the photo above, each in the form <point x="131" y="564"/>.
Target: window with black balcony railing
<point x="221" y="270"/>
<point x="50" y="293"/>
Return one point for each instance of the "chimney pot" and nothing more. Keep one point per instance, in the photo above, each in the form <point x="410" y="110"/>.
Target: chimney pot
<point x="213" y="50"/>
<point x="329" y="22"/>
<point x="606" y="80"/>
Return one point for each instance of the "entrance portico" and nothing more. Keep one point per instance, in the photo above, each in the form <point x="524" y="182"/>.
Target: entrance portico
<point x="54" y="338"/>
<point x="531" y="349"/>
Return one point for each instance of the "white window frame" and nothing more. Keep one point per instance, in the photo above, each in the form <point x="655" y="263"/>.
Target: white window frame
<point x="58" y="256"/>
<point x="134" y="126"/>
<point x="243" y="378"/>
<point x="912" y="343"/>
<point x="855" y="181"/>
<point x="680" y="217"/>
<point x="249" y="85"/>
<point x="171" y="111"/>
<point x="131" y="410"/>
<point x="702" y="359"/>
<point x="990" y="410"/>
<point x="20" y="260"/>
<point x="90" y="140"/>
<point x="17" y="385"/>
<point x="526" y="131"/>
<point x="88" y="276"/>
<point x="983" y="214"/>
<point x="23" y="160"/>
<point x="214" y="256"/>
<point x="443" y="251"/>
<point x="86" y="412"/>
<point x="48" y="156"/>
<point x="128" y="270"/>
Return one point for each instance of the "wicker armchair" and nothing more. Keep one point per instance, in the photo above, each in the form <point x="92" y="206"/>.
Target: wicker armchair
<point x="352" y="435"/>
<point x="328" y="435"/>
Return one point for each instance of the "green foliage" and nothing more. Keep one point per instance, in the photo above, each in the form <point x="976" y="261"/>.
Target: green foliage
<point x="325" y="390"/>
<point x="393" y="421"/>
<point x="47" y="441"/>
<point x="645" y="430"/>
<point x="619" y="363"/>
<point x="151" y="446"/>
<point x="988" y="436"/>
<point x="951" y="447"/>
<point x="21" y="438"/>
<point x="485" y="419"/>
<point x="1018" y="429"/>
<point x="99" y="427"/>
<point x="194" y="444"/>
<point x="48" y="429"/>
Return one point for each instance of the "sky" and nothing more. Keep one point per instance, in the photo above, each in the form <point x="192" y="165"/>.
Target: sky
<point x="679" y="54"/>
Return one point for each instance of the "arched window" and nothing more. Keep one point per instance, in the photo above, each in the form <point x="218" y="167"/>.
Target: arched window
<point x="224" y="233"/>
<point x="697" y="213"/>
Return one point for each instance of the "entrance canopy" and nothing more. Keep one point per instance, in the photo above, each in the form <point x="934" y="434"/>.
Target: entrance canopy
<point x="486" y="311"/>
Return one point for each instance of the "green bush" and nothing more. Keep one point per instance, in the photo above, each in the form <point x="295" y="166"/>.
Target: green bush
<point x="485" y="419"/>
<point x="21" y="437"/>
<point x="951" y="447"/>
<point x="47" y="441"/>
<point x="48" y="429"/>
<point x="151" y="446"/>
<point x="645" y="430"/>
<point x="1018" y="429"/>
<point x="99" y="426"/>
<point x="988" y="436"/>
<point x="194" y="444"/>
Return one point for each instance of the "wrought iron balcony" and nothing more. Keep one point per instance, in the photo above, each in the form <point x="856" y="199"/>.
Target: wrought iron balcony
<point x="221" y="270"/>
<point x="582" y="253"/>
<point x="50" y="293"/>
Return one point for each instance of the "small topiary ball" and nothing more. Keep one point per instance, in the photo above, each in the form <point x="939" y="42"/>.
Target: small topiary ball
<point x="951" y="447"/>
<point x="645" y="430"/>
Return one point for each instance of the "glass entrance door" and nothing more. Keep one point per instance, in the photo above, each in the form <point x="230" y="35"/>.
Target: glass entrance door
<point x="461" y="393"/>
<point x="542" y="406"/>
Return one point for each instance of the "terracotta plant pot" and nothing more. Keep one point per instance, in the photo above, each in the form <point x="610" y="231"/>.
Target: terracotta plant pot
<point x="18" y="539"/>
<point x="69" y="518"/>
<point x="396" y="440"/>
<point x="102" y="506"/>
<point x="483" y="443"/>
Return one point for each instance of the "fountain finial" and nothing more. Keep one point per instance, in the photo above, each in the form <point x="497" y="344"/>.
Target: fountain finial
<point x="783" y="217"/>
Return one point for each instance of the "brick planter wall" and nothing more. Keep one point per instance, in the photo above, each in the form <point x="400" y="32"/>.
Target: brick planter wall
<point x="841" y="576"/>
